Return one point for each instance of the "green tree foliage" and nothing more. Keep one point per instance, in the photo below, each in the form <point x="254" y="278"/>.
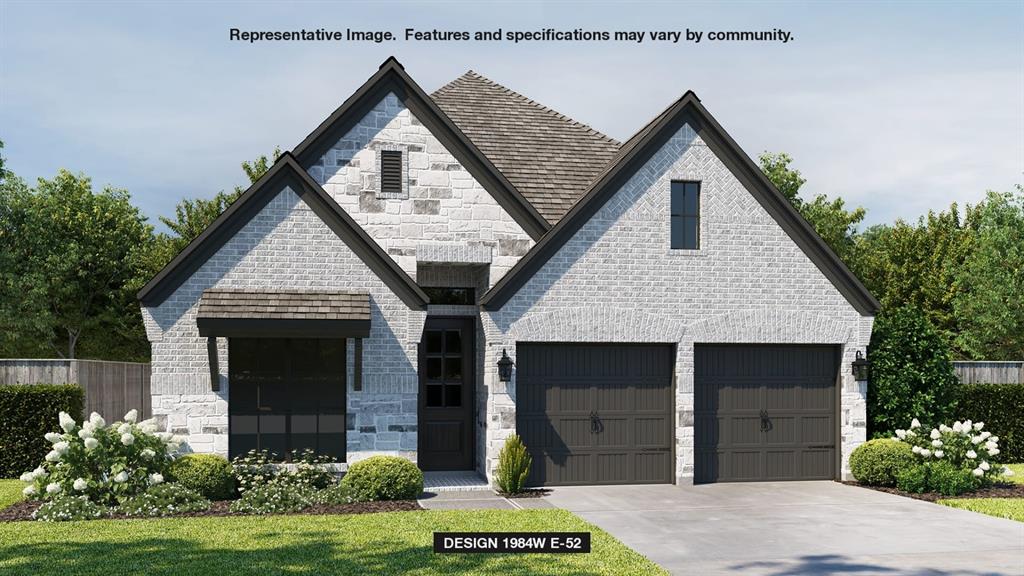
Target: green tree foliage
<point x="916" y="265"/>
<point x="836" y="225"/>
<point x="911" y="373"/>
<point x="3" y="163"/>
<point x="989" y="300"/>
<point x="68" y="254"/>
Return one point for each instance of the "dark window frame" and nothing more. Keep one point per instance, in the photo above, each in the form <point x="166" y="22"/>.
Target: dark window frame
<point x="684" y="213"/>
<point x="391" y="183"/>
<point x="289" y="376"/>
<point x="451" y="295"/>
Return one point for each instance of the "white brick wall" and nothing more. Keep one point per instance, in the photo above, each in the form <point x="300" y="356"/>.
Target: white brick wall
<point x="443" y="204"/>
<point x="617" y="280"/>
<point x="286" y="246"/>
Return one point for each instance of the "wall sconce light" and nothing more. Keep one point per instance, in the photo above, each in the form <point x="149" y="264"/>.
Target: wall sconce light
<point x="860" y="368"/>
<point x="505" y="367"/>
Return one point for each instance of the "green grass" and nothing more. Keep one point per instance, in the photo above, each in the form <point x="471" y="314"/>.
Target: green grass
<point x="1012" y="508"/>
<point x="1018" y="473"/>
<point x="387" y="543"/>
<point x="10" y="492"/>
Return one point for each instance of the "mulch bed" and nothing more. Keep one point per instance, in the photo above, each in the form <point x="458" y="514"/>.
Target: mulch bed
<point x="531" y="493"/>
<point x="24" y="510"/>
<point x="999" y="490"/>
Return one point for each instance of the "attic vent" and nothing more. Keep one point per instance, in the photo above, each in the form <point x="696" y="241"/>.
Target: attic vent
<point x="391" y="172"/>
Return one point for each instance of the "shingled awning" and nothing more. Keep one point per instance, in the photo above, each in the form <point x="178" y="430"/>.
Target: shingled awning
<point x="287" y="313"/>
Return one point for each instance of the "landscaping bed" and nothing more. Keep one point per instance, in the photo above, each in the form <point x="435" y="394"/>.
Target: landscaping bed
<point x="998" y="490"/>
<point x="23" y="510"/>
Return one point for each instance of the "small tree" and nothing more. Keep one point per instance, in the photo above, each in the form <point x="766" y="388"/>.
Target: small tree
<point x="911" y="373"/>
<point x="513" y="466"/>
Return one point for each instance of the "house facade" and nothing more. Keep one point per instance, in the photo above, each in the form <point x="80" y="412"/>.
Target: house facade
<point x="667" y="314"/>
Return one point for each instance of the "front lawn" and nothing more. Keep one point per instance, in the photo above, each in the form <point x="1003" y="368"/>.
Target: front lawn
<point x="1012" y="508"/>
<point x="10" y="492"/>
<point x="385" y="543"/>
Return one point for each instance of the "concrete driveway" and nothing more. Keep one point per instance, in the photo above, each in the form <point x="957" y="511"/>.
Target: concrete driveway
<point x="797" y="528"/>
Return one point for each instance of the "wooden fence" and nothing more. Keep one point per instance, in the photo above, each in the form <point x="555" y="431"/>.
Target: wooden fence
<point x="111" y="388"/>
<point x="990" y="372"/>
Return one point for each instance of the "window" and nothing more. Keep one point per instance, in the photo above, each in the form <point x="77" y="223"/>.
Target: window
<point x="685" y="215"/>
<point x="457" y="296"/>
<point x="286" y="394"/>
<point x="391" y="172"/>
<point x="444" y="351"/>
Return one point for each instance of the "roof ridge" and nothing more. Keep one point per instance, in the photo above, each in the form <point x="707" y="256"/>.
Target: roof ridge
<point x="527" y="100"/>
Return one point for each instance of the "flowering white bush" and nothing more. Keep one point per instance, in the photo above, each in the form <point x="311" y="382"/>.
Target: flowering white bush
<point x="965" y="445"/>
<point x="102" y="463"/>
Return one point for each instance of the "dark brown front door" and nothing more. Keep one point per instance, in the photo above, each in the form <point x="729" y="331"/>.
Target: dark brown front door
<point x="446" y="394"/>
<point x="765" y="412"/>
<point x="596" y="413"/>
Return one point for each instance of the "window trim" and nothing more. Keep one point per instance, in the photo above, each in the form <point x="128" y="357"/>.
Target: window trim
<point x="684" y="216"/>
<point x="403" y="177"/>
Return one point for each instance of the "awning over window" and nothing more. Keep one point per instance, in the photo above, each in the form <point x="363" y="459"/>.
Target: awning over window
<point x="236" y="313"/>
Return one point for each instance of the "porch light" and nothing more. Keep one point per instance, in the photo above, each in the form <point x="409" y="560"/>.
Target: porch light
<point x="504" y="367"/>
<point x="860" y="368"/>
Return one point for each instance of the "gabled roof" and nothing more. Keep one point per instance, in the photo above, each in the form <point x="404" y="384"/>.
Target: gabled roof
<point x="391" y="77"/>
<point x="549" y="157"/>
<point x="285" y="172"/>
<point x="634" y="154"/>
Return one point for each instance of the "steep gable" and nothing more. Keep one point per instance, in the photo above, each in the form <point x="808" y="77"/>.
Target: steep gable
<point x="635" y="155"/>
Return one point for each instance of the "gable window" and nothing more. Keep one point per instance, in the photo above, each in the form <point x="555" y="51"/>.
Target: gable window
<point x="391" y="172"/>
<point x="685" y="210"/>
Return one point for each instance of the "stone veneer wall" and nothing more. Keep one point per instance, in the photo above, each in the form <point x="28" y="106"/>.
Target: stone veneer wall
<point x="617" y="280"/>
<point x="286" y="246"/>
<point x="443" y="202"/>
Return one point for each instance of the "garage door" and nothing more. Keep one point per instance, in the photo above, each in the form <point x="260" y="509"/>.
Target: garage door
<point x="596" y="414"/>
<point x="764" y="412"/>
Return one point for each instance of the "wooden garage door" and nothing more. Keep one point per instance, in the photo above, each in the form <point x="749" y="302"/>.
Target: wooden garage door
<point x="596" y="413"/>
<point x="764" y="412"/>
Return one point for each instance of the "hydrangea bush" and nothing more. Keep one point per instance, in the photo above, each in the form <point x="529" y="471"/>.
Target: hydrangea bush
<point x="964" y="445"/>
<point x="106" y="463"/>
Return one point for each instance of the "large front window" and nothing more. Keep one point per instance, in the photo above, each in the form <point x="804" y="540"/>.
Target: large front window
<point x="287" y="394"/>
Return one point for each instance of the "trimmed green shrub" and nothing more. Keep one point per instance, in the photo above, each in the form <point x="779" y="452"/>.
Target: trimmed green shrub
<point x="911" y="373"/>
<point x="513" y="466"/>
<point x="164" y="500"/>
<point x="384" y="478"/>
<point x="28" y="411"/>
<point x="66" y="508"/>
<point x="913" y="479"/>
<point x="273" y="499"/>
<point x="877" y="462"/>
<point x="950" y="480"/>
<point x="1000" y="407"/>
<point x="208" y="474"/>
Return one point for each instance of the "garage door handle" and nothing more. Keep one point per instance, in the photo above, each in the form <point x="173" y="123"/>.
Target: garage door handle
<point x="654" y="449"/>
<point x="821" y="446"/>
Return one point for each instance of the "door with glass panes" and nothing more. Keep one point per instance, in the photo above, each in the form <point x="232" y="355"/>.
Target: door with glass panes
<point x="446" y="394"/>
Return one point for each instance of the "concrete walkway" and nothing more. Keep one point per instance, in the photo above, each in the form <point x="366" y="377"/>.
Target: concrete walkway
<point x="783" y="528"/>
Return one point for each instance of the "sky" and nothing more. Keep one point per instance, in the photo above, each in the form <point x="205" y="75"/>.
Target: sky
<point x="900" y="108"/>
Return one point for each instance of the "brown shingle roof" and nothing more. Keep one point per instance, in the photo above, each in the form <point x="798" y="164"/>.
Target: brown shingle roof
<point x="550" y="158"/>
<point x="290" y="305"/>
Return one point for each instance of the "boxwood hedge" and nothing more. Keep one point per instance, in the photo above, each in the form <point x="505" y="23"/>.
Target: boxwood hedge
<point x="27" y="412"/>
<point x="1001" y="408"/>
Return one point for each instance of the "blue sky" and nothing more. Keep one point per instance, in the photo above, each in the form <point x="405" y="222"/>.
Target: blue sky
<point x="900" y="108"/>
